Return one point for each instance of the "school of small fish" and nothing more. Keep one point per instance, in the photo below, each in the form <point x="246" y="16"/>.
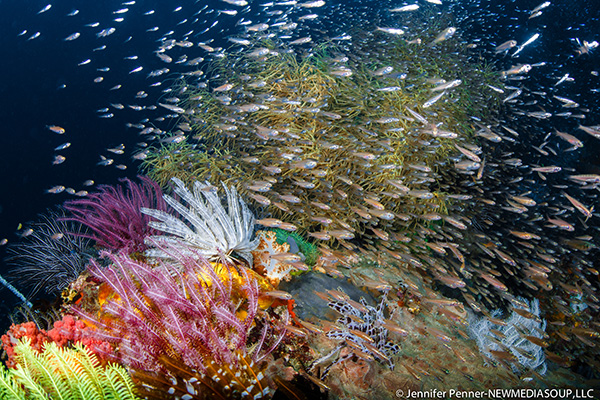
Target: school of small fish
<point x="504" y="211"/>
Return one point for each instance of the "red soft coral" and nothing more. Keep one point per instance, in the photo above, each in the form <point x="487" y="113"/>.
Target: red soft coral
<point x="66" y="332"/>
<point x="28" y="329"/>
<point x="70" y="330"/>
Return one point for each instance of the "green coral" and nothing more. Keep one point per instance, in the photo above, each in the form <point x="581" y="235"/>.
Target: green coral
<point x="308" y="249"/>
<point x="63" y="373"/>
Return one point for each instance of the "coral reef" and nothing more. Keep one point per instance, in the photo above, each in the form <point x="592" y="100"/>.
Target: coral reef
<point x="113" y="214"/>
<point x="50" y="258"/>
<point x="63" y="373"/>
<point x="215" y="230"/>
<point x="186" y="318"/>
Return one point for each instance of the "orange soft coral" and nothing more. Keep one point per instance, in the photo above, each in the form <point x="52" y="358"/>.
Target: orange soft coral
<point x="274" y="270"/>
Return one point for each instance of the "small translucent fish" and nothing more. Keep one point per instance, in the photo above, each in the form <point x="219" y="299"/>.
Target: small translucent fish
<point x="572" y="140"/>
<point x="105" y="161"/>
<point x="528" y="42"/>
<point x="56" y="189"/>
<point x="3" y="242"/>
<point x="89" y="182"/>
<point x="421" y="194"/>
<point x="438" y="2"/>
<point x="411" y="7"/>
<point x="106" y="32"/>
<point x="389" y="89"/>
<point x="304" y="164"/>
<point x="526" y="201"/>
<point x="279" y="294"/>
<point x="580" y="207"/>
<point x="494" y="282"/>
<point x="303" y="40"/>
<point x="320" y="235"/>
<point x="138" y="69"/>
<point x="224" y="88"/>
<point x="240" y="3"/>
<point x="341" y="234"/>
<point x="342" y="72"/>
<point x="540" y="7"/>
<point x="286" y="226"/>
<point x="444" y="35"/>
<point x="506" y="46"/>
<point x="447" y="85"/>
<point x="391" y="31"/>
<point x="561" y="224"/>
<point x="433" y="100"/>
<point x="26" y="232"/>
<point x="269" y="222"/>
<point x="43" y="10"/>
<point x="56" y="129"/>
<point x="517" y="69"/>
<point x="469" y="154"/>
<point x="591" y="130"/>
<point x="549" y="169"/>
<point x="383" y="71"/>
<point x="73" y="13"/>
<point x="312" y="4"/>
<point x="585" y="178"/>
<point x="34" y="36"/>
<point x="290" y="198"/>
<point x="285" y="257"/>
<point x="72" y="37"/>
<point x="58" y="159"/>
<point x="85" y="62"/>
<point x="173" y="108"/>
<point x="62" y="146"/>
<point x="524" y="235"/>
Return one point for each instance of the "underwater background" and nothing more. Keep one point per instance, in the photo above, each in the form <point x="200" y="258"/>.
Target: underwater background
<point x="66" y="68"/>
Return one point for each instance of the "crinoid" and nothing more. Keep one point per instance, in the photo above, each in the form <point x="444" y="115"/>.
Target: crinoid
<point x="187" y="327"/>
<point x="51" y="257"/>
<point x="215" y="231"/>
<point x="113" y="214"/>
